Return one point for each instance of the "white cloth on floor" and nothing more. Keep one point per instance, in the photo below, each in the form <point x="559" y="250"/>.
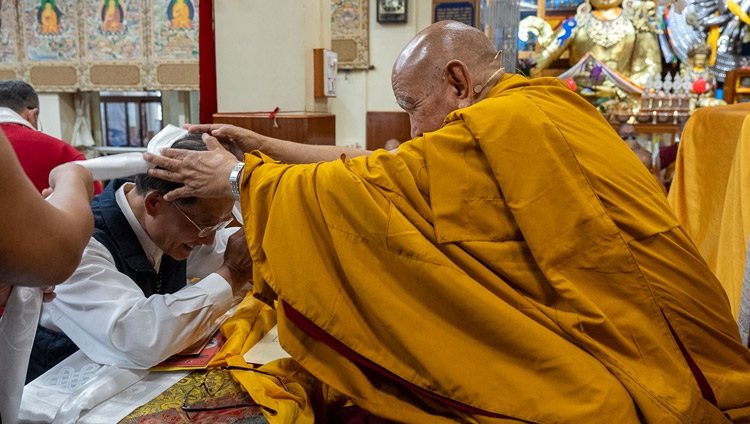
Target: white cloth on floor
<point x="80" y="390"/>
<point x="17" y="330"/>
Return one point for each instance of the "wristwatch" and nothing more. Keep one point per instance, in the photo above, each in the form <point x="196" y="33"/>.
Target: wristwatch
<point x="234" y="179"/>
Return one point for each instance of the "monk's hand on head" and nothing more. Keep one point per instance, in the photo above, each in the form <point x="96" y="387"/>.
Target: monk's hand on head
<point x="235" y="139"/>
<point x="203" y="174"/>
<point x="201" y="128"/>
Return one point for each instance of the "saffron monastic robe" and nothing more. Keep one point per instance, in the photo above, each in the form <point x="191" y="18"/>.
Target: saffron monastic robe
<point x="709" y="193"/>
<point x="519" y="263"/>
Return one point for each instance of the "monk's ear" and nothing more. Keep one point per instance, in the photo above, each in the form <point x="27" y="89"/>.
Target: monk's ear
<point x="457" y="75"/>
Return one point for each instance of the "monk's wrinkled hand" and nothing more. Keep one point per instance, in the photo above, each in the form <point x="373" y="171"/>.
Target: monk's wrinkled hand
<point x="235" y="139"/>
<point x="203" y="174"/>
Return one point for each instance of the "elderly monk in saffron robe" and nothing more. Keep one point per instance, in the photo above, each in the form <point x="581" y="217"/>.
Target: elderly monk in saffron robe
<point x="513" y="261"/>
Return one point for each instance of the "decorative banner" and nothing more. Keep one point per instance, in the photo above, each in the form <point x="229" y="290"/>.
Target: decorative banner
<point x="350" y="33"/>
<point x="175" y="29"/>
<point x="50" y="30"/>
<point x="71" y="45"/>
<point x="113" y="30"/>
<point x="50" y="46"/>
<point x="9" y="48"/>
<point x="174" y="44"/>
<point x="114" y="41"/>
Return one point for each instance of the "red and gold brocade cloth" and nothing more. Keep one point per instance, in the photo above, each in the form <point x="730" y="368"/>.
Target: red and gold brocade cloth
<point x="167" y="407"/>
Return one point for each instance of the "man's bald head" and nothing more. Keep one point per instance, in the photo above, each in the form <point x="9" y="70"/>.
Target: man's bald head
<point x="447" y="66"/>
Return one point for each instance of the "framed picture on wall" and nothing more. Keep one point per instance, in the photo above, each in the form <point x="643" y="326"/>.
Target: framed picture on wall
<point x="465" y="11"/>
<point x="391" y="11"/>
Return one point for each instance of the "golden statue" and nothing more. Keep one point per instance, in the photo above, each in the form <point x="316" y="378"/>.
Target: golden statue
<point x="180" y="14"/>
<point x="701" y="77"/>
<point x="48" y="17"/>
<point x="623" y="37"/>
<point x="112" y="16"/>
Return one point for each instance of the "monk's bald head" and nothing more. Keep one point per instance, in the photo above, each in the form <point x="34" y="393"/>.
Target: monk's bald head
<point x="447" y="66"/>
<point x="433" y="47"/>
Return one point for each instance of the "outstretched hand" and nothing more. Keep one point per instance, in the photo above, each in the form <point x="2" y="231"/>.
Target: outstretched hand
<point x="203" y="174"/>
<point x="235" y="139"/>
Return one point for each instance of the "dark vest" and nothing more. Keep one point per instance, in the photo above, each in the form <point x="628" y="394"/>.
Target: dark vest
<point x="112" y="229"/>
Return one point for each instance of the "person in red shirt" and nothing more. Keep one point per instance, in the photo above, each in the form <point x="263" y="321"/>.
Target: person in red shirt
<point x="37" y="152"/>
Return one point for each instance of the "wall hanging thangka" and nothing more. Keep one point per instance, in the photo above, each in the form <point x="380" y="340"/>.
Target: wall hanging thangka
<point x="49" y="41"/>
<point x="70" y="45"/>
<point x="350" y="33"/>
<point x="174" y="44"/>
<point x="9" y="50"/>
<point x="114" y="53"/>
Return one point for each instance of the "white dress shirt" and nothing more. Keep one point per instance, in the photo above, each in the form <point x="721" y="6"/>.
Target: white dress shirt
<point x="110" y="319"/>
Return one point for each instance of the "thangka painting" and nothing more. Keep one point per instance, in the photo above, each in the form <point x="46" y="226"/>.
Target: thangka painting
<point x="50" y="31"/>
<point x="69" y="45"/>
<point x="113" y="30"/>
<point x="114" y="33"/>
<point x="175" y="29"/>
<point x="174" y="44"/>
<point x="350" y="33"/>
<point x="8" y="36"/>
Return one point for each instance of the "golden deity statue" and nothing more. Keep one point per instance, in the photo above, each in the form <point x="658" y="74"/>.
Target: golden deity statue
<point x="180" y="14"/>
<point x="48" y="17"/>
<point x="622" y="36"/>
<point x="701" y="77"/>
<point x="112" y="16"/>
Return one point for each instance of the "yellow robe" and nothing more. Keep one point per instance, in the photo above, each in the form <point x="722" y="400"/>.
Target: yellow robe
<point x="520" y="263"/>
<point x="709" y="193"/>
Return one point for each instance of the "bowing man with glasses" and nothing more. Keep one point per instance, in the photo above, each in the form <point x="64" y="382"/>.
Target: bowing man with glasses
<point x="128" y="303"/>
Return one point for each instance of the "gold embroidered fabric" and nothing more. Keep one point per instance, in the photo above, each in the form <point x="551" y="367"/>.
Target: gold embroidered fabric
<point x="167" y="407"/>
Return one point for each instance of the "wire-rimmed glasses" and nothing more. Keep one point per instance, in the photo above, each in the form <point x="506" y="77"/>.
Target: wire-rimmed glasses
<point x="203" y="231"/>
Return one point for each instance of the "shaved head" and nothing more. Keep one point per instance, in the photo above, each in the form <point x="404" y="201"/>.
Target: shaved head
<point x="447" y="66"/>
<point x="430" y="50"/>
